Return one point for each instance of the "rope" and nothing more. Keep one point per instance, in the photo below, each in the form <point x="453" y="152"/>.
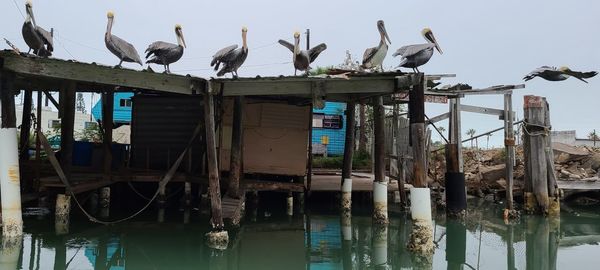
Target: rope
<point x="544" y="132"/>
<point x="146" y="198"/>
<point x="163" y="182"/>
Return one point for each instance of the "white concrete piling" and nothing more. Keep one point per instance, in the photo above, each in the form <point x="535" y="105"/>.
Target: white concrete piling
<point x="421" y="238"/>
<point x="347" y="195"/>
<point x="105" y="197"/>
<point x="380" y="246"/>
<point x="61" y="214"/>
<point x="346" y="227"/>
<point x="380" y="202"/>
<point x="10" y="187"/>
<point x="10" y="251"/>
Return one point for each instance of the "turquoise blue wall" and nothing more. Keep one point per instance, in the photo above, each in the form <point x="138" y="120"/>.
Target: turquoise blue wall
<point x="120" y="114"/>
<point x="336" y="136"/>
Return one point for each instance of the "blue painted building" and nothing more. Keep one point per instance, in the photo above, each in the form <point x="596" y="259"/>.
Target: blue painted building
<point x="122" y="109"/>
<point x="329" y="127"/>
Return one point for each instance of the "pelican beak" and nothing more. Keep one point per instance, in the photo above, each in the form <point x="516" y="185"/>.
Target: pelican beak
<point x="180" y="33"/>
<point x="429" y="35"/>
<point x="30" y="13"/>
<point x="384" y="32"/>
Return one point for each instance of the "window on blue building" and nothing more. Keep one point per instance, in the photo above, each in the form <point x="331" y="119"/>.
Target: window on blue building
<point x="126" y="102"/>
<point x="327" y="121"/>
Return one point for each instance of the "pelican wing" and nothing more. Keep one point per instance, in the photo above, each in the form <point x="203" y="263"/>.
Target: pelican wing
<point x="46" y="37"/>
<point x="287" y="45"/>
<point x="581" y="75"/>
<point x="158" y="47"/>
<point x="368" y="55"/>
<point x="540" y="71"/>
<point x="314" y="52"/>
<point x="409" y="50"/>
<point x="125" y="48"/>
<point x="222" y="53"/>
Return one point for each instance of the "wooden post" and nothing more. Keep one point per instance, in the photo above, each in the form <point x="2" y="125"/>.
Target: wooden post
<point x="108" y="98"/>
<point x="456" y="197"/>
<point x="536" y="132"/>
<point x="509" y="144"/>
<point x="348" y="155"/>
<point x="362" y="132"/>
<point x="380" y="185"/>
<point x="25" y="127"/>
<point x="67" y="97"/>
<point x="310" y="155"/>
<point x="237" y="136"/>
<point x="554" y="200"/>
<point x="213" y="167"/>
<point x="10" y="186"/>
<point x="38" y="143"/>
<point x="421" y="238"/>
<point x="400" y="160"/>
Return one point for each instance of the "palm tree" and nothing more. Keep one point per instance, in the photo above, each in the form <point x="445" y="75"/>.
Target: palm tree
<point x="471" y="132"/>
<point x="593" y="136"/>
<point x="488" y="140"/>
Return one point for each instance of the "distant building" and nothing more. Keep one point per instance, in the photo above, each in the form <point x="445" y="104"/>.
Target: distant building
<point x="570" y="137"/>
<point x="51" y="122"/>
<point x="121" y="112"/>
<point x="329" y="132"/>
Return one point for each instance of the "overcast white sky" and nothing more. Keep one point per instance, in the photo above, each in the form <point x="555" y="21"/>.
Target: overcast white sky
<point x="484" y="42"/>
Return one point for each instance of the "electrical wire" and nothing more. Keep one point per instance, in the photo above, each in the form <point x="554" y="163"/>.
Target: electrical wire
<point x="18" y="8"/>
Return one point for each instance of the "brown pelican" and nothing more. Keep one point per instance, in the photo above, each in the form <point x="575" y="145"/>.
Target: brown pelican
<point x="560" y="74"/>
<point x="38" y="39"/>
<point x="166" y="53"/>
<point x="373" y="57"/>
<point x="302" y="58"/>
<point x="414" y="56"/>
<point x="231" y="57"/>
<point x="119" y="47"/>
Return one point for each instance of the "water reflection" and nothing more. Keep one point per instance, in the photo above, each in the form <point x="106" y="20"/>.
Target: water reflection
<point x="312" y="241"/>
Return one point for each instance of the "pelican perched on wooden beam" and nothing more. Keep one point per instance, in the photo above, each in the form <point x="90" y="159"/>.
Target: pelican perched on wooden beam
<point x="414" y="56"/>
<point x="231" y="57"/>
<point x="302" y="58"/>
<point x="119" y="47"/>
<point x="38" y="39"/>
<point x="165" y="53"/>
<point x="560" y="74"/>
<point x="373" y="57"/>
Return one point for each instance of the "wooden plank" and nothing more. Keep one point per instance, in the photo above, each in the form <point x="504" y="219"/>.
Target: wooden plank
<point x="97" y="74"/>
<point x="494" y="90"/>
<point x="303" y="86"/>
<point x="259" y="185"/>
<point x="51" y="98"/>
<point x="438" y="118"/>
<point x="509" y="144"/>
<point x="482" y="110"/>
<point x="585" y="184"/>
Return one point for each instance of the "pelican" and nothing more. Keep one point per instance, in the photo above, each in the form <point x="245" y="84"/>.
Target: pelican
<point x="166" y="53"/>
<point x="302" y="58"/>
<point x="414" y="56"/>
<point x="231" y="57"/>
<point x="560" y="74"/>
<point x="119" y="47"/>
<point x="373" y="57"/>
<point x="38" y="39"/>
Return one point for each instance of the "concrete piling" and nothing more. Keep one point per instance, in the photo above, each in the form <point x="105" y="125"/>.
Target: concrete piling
<point x="105" y="197"/>
<point x="61" y="214"/>
<point x="290" y="204"/>
<point x="380" y="246"/>
<point x="12" y="221"/>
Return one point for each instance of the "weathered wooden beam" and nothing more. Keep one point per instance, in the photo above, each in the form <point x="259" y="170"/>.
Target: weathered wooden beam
<point x="534" y="108"/>
<point x="214" y="189"/>
<point x="509" y="144"/>
<point x="303" y="86"/>
<point x="483" y="110"/>
<point x="67" y="95"/>
<point x="417" y="129"/>
<point x="108" y="98"/>
<point x="235" y="166"/>
<point x="51" y="68"/>
<point x="7" y="97"/>
<point x="38" y="150"/>
<point x="349" y="140"/>
<point x="438" y="118"/>
<point x="25" y="126"/>
<point x="51" y="98"/>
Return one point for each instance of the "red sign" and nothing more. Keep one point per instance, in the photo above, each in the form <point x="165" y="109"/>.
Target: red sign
<point x="533" y="102"/>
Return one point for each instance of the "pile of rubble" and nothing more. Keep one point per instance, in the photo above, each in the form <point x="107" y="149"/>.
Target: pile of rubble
<point x="485" y="169"/>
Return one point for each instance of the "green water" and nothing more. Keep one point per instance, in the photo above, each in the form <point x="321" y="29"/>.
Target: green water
<point x="271" y="240"/>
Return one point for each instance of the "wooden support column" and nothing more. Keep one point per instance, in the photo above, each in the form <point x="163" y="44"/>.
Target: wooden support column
<point x="380" y="185"/>
<point x="237" y="135"/>
<point x="421" y="238"/>
<point x="108" y="98"/>
<point x="214" y="189"/>
<point x="400" y="158"/>
<point x="67" y="97"/>
<point x="310" y="155"/>
<point x="509" y="144"/>
<point x="456" y="196"/>
<point x="536" y="199"/>
<point x="553" y="192"/>
<point x="25" y="127"/>
<point x="10" y="186"/>
<point x="348" y="156"/>
<point x="38" y="142"/>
